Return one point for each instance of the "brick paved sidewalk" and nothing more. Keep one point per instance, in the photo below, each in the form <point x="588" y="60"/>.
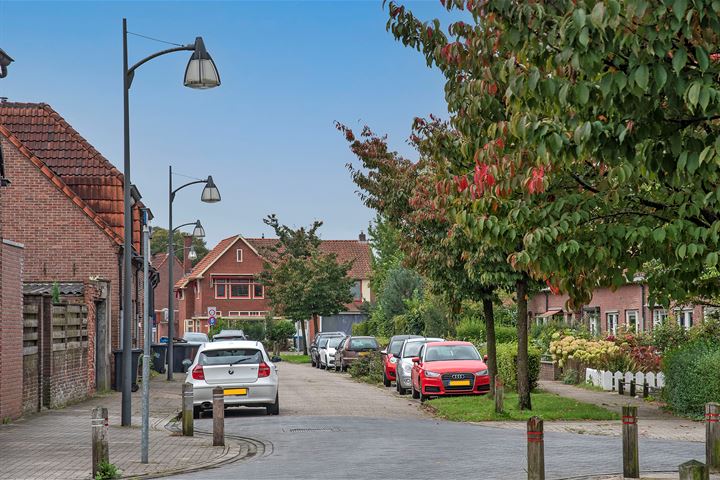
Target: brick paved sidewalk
<point x="56" y="443"/>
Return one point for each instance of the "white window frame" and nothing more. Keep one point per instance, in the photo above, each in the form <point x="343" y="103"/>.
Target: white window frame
<point x="612" y="326"/>
<point x="659" y="316"/>
<point x="239" y="255"/>
<point x="683" y="315"/>
<point x="637" y="320"/>
<point x="189" y="325"/>
<point x="233" y="313"/>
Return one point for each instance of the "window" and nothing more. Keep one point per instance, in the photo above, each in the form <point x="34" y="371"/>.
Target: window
<point x="685" y="318"/>
<point x="659" y="316"/>
<point x="612" y="323"/>
<point x="631" y="320"/>
<point x="239" y="255"/>
<point x="180" y="294"/>
<point x="356" y="290"/>
<point x="189" y="326"/>
<point x="258" y="290"/>
<point x="232" y="313"/>
<point x="592" y="316"/>
<point x="238" y="287"/>
<point x="220" y="289"/>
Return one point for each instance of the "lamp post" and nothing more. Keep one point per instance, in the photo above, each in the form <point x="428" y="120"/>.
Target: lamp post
<point x="5" y="60"/>
<point x="199" y="73"/>
<point x="210" y="194"/>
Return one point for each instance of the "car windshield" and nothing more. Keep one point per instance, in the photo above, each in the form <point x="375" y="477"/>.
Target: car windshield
<point x="334" y="342"/>
<point x="226" y="356"/>
<point x="323" y="343"/>
<point x="451" y="352"/>
<point x="362" y="344"/>
<point x="395" y="347"/>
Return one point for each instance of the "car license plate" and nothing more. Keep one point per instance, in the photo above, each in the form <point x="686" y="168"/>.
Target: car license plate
<point x="236" y="391"/>
<point x="459" y="383"/>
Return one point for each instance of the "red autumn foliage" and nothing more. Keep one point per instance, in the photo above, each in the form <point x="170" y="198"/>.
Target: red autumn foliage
<point x="462" y="183"/>
<point x="535" y="182"/>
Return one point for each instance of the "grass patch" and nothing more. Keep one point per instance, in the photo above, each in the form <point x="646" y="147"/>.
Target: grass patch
<point x="292" y="358"/>
<point x="590" y="386"/>
<point x="545" y="405"/>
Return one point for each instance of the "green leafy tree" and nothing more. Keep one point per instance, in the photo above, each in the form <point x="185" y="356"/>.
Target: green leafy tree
<point x="278" y="333"/>
<point x="303" y="282"/>
<point x="387" y="254"/>
<point x="159" y="244"/>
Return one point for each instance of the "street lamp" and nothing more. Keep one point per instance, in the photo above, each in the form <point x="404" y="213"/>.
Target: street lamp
<point x="198" y="75"/>
<point x="5" y="60"/>
<point x="210" y="194"/>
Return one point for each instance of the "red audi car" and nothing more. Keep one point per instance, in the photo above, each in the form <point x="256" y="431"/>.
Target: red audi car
<point x="390" y="355"/>
<point x="449" y="368"/>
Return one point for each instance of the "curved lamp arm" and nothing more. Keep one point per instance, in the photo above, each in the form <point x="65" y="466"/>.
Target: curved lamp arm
<point x="131" y="70"/>
<point x="172" y="194"/>
<point x="183" y="225"/>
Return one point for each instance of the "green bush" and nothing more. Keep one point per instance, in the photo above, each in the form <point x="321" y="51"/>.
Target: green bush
<point x="106" y="471"/>
<point x="507" y="367"/>
<point x="254" y="329"/>
<point x="571" y="377"/>
<point x="668" y="335"/>
<point x="691" y="377"/>
<point x="361" y="328"/>
<point x="505" y="334"/>
<point x="368" y="368"/>
<point x="470" y="330"/>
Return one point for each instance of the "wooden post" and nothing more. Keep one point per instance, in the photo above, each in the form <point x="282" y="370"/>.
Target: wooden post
<point x="499" y="394"/>
<point x="712" y="436"/>
<point x="218" y="417"/>
<point x="646" y="390"/>
<point x="621" y="386"/>
<point x="631" y="459"/>
<point x="100" y="450"/>
<point x="535" y="449"/>
<point x="632" y="388"/>
<point x="694" y="470"/>
<point x="187" y="410"/>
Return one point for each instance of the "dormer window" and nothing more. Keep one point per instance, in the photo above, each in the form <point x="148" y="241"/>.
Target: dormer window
<point x="239" y="255"/>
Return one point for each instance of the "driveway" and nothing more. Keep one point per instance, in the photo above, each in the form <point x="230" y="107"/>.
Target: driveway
<point x="332" y="427"/>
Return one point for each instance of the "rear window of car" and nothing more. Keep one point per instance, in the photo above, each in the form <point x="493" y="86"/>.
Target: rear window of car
<point x="362" y="344"/>
<point x="323" y="342"/>
<point x="334" y="342"/>
<point x="451" y="352"/>
<point x="226" y="356"/>
<point x="395" y="347"/>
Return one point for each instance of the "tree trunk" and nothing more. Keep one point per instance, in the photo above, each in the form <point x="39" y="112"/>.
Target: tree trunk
<point x="304" y="336"/>
<point x="489" y="314"/>
<point x="523" y="372"/>
<point x="316" y="327"/>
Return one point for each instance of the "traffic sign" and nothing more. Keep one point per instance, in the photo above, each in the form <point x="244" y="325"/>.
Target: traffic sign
<point x="212" y="316"/>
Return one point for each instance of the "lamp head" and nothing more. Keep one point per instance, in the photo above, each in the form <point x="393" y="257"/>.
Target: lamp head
<point x="5" y="60"/>
<point x="192" y="255"/>
<point x="198" y="231"/>
<point x="201" y="71"/>
<point x="210" y="193"/>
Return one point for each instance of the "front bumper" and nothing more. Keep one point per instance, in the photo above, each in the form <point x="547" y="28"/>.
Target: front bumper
<point x="258" y="393"/>
<point x="403" y="380"/>
<point x="390" y="371"/>
<point x="433" y="386"/>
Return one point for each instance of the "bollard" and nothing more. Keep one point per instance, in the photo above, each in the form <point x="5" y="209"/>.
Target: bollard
<point x="218" y="417"/>
<point x="712" y="436"/>
<point x="535" y="449"/>
<point x="694" y="470"/>
<point x="100" y="450"/>
<point x="187" y="410"/>
<point x="632" y="388"/>
<point x="499" y="394"/>
<point x="631" y="460"/>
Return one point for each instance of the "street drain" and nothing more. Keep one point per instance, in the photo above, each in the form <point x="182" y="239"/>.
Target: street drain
<point x="314" y="429"/>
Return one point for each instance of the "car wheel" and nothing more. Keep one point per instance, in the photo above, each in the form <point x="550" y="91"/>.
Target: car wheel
<point x="274" y="409"/>
<point x="386" y="380"/>
<point x="415" y="393"/>
<point x="312" y="361"/>
<point x="423" y="397"/>
<point x="400" y="389"/>
<point x="197" y="412"/>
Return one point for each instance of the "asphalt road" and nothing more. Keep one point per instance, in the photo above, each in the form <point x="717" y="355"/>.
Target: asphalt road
<point x="332" y="427"/>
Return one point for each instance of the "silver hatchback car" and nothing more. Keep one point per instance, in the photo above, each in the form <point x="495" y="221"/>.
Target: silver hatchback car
<point x="410" y="349"/>
<point x="244" y="371"/>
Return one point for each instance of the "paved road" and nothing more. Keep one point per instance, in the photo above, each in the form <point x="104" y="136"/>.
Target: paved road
<point x="332" y="427"/>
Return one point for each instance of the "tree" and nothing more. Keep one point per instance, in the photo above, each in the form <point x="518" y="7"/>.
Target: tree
<point x="386" y="252"/>
<point x="303" y="282"/>
<point x="279" y="332"/>
<point x="159" y="244"/>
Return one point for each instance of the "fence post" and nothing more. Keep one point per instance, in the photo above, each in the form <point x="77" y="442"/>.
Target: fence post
<point x="712" y="436"/>
<point x="187" y="410"/>
<point x="621" y="386"/>
<point x="100" y="450"/>
<point x="535" y="449"/>
<point x="694" y="470"/>
<point x="218" y="417"/>
<point x="632" y="388"/>
<point x="631" y="460"/>
<point x="499" y="394"/>
<point x="646" y="389"/>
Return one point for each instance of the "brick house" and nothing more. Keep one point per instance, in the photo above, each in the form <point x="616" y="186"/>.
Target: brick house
<point x="608" y="310"/>
<point x="159" y="261"/>
<point x="64" y="205"/>
<point x="226" y="279"/>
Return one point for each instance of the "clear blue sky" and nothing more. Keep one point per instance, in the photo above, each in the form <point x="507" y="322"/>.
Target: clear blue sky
<point x="288" y="70"/>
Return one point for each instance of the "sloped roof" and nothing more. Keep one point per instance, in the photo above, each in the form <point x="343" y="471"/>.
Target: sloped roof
<point x="46" y="288"/>
<point x="80" y="166"/>
<point x="346" y="250"/>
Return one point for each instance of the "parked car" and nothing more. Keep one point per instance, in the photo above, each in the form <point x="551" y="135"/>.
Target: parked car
<point x="224" y="335"/>
<point x="390" y="357"/>
<point x="196" y="337"/>
<point x="244" y="371"/>
<point x="352" y="349"/>
<point x="314" y="345"/>
<point x="403" y="368"/>
<point x="449" y="368"/>
<point x="326" y="351"/>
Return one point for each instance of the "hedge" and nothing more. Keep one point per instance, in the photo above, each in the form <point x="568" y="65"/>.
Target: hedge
<point x="691" y="377"/>
<point x="507" y="367"/>
<point x="474" y="331"/>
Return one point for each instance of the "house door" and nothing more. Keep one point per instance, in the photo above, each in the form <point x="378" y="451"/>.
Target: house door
<point x="102" y="365"/>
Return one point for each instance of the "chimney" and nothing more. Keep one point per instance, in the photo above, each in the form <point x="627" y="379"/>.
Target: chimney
<point x="187" y="264"/>
<point x="362" y="237"/>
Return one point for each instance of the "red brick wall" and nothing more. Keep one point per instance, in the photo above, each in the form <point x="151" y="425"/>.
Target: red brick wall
<point x="161" y="295"/>
<point x="11" y="330"/>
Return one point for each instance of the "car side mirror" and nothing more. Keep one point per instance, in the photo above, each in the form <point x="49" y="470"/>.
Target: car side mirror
<point x="416" y="360"/>
<point x="485" y="358"/>
<point x="275" y="359"/>
<point x="383" y="352"/>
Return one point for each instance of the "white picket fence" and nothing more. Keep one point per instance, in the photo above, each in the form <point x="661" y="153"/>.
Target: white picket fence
<point x="609" y="380"/>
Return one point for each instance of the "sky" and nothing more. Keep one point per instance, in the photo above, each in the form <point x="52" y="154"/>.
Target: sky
<point x="289" y="70"/>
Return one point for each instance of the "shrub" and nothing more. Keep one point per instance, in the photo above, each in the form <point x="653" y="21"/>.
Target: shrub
<point x="106" y="471"/>
<point x="691" y="376"/>
<point x="361" y="328"/>
<point x="668" y="335"/>
<point x="254" y="329"/>
<point x="507" y="364"/>
<point x="505" y="334"/>
<point x="368" y="368"/>
<point x="471" y="330"/>
<point x="601" y="354"/>
<point x="571" y="377"/>
<point x="709" y="329"/>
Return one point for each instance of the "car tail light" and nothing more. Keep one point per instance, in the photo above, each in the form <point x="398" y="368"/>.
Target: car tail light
<point x="198" y="373"/>
<point x="263" y="370"/>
